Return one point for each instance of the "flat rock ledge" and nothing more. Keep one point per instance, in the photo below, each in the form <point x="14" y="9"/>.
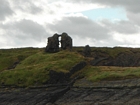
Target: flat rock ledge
<point x="83" y="92"/>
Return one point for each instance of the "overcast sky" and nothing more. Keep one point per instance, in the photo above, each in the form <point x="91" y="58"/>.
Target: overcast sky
<point x="101" y="23"/>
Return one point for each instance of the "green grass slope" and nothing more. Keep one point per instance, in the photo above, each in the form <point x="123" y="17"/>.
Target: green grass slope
<point x="34" y="69"/>
<point x="34" y="66"/>
<point x="9" y="56"/>
<point x="99" y="73"/>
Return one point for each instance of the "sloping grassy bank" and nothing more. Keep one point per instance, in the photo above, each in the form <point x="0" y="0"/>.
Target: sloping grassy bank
<point x="9" y="56"/>
<point x="34" y="66"/>
<point x="99" y="73"/>
<point x="34" y="69"/>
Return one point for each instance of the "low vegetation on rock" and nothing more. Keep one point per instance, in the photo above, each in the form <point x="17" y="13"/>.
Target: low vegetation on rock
<point x="31" y="66"/>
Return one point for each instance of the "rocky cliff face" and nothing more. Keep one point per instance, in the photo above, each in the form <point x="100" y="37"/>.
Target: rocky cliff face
<point x="123" y="59"/>
<point x="61" y="77"/>
<point x="126" y="92"/>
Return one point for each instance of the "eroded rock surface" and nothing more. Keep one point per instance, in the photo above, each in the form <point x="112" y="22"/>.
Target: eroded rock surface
<point x="62" y="77"/>
<point x="87" y="51"/>
<point x="124" y="59"/>
<point x="126" y="92"/>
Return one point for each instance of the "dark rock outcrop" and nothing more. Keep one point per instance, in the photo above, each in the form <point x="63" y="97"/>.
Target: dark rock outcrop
<point x="103" y="61"/>
<point x="61" y="77"/>
<point x="77" y="67"/>
<point x="127" y="59"/>
<point x="124" y="59"/>
<point x="87" y="51"/>
<point x="120" y="92"/>
<point x="58" y="77"/>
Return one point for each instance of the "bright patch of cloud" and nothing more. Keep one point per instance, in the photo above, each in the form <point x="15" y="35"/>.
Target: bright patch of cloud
<point x="127" y="40"/>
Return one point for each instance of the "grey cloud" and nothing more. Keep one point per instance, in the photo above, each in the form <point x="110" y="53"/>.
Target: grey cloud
<point x="34" y="9"/>
<point x="31" y="8"/>
<point x="27" y="6"/>
<point x="123" y="27"/>
<point x="81" y="27"/>
<point x="30" y="28"/>
<point x="134" y="17"/>
<point x="5" y="9"/>
<point x="130" y="5"/>
<point x="25" y="33"/>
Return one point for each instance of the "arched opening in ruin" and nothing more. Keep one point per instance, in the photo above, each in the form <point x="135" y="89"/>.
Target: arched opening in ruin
<point x="59" y="41"/>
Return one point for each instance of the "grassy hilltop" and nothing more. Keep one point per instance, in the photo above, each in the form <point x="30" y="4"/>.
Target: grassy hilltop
<point x="31" y="66"/>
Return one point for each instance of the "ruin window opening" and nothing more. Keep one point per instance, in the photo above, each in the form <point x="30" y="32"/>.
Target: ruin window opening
<point x="59" y="41"/>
